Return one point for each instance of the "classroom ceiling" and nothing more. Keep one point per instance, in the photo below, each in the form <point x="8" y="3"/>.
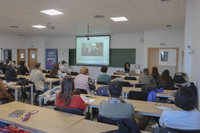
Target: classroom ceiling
<point x="78" y="14"/>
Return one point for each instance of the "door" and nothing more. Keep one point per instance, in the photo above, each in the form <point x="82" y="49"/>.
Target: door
<point x="21" y="56"/>
<point x="32" y="57"/>
<point x="153" y="59"/>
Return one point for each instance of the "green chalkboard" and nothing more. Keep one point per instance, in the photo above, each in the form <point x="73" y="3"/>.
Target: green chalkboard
<point x="118" y="57"/>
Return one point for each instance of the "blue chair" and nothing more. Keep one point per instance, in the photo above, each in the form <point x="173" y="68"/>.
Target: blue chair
<point x="70" y="110"/>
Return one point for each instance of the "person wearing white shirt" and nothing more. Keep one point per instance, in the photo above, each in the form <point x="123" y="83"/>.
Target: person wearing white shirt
<point x="63" y="68"/>
<point x="187" y="117"/>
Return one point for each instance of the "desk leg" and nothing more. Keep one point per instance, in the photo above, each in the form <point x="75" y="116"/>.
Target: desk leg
<point x="126" y="95"/>
<point x="40" y="101"/>
<point x="32" y="95"/>
<point x="16" y="94"/>
<point x="123" y="95"/>
<point x="50" y="85"/>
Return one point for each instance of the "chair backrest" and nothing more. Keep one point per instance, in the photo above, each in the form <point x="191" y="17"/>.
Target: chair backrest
<point x="102" y="83"/>
<point x="111" y="121"/>
<point x="113" y="77"/>
<point x="139" y="85"/>
<point x="167" y="87"/>
<point x="126" y="84"/>
<point x="47" y="76"/>
<point x="103" y="91"/>
<point x="74" y="73"/>
<point x="3" y="78"/>
<point x="130" y="78"/>
<point x="70" y="110"/>
<point x="138" y="95"/>
<point x="81" y="91"/>
<point x="186" y="131"/>
<point x="44" y="71"/>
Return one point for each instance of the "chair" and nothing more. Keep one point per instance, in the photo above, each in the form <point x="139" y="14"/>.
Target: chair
<point x="113" y="77"/>
<point x="102" y="83"/>
<point x="47" y="76"/>
<point x="130" y="78"/>
<point x="81" y="91"/>
<point x="103" y="91"/>
<point x="167" y="87"/>
<point x="74" y="73"/>
<point x="70" y="110"/>
<point x="112" y="121"/>
<point x="3" y="78"/>
<point x="126" y="84"/>
<point x="138" y="95"/>
<point x="139" y="85"/>
<point x="178" y="130"/>
<point x="44" y="71"/>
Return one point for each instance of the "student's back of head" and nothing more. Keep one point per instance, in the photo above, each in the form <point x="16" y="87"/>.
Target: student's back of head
<point x="54" y="70"/>
<point x="104" y="69"/>
<point x="115" y="89"/>
<point x="146" y="71"/>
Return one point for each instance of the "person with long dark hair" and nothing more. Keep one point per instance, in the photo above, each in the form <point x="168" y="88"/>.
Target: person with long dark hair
<point x="155" y="73"/>
<point x="55" y="71"/>
<point x="23" y="68"/>
<point x="66" y="97"/>
<point x="127" y="67"/>
<point x="165" y="79"/>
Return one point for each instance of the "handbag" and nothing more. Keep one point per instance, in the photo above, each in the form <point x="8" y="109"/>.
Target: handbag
<point x="91" y="84"/>
<point x="148" y="87"/>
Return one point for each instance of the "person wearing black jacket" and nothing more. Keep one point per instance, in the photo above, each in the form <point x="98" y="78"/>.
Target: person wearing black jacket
<point x="23" y="69"/>
<point x="11" y="74"/>
<point x="127" y="67"/>
<point x="3" y="67"/>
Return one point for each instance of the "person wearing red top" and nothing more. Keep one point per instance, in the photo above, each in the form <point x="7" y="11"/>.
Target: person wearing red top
<point x="66" y="98"/>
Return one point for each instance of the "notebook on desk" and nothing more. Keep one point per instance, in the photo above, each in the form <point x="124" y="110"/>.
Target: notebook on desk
<point x="16" y="113"/>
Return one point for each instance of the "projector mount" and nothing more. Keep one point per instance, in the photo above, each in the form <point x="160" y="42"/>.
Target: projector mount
<point x="88" y="30"/>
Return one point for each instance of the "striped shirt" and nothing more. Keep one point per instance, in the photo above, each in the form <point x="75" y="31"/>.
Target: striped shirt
<point x="81" y="82"/>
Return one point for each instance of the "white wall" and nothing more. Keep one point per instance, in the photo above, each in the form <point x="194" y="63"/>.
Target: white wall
<point x="14" y="55"/>
<point x="129" y="40"/>
<point x="172" y="38"/>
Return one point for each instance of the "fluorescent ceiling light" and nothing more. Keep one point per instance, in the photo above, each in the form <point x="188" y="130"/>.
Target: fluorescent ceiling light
<point x="52" y="12"/>
<point x="119" y="19"/>
<point x="38" y="26"/>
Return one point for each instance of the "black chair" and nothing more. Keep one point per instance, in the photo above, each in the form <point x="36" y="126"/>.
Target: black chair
<point x="111" y="121"/>
<point x="113" y="77"/>
<point x="74" y="73"/>
<point x="138" y="95"/>
<point x="139" y="85"/>
<point x="3" y="78"/>
<point x="81" y="91"/>
<point x="102" y="83"/>
<point x="44" y="71"/>
<point x="168" y="87"/>
<point x="70" y="110"/>
<point x="126" y="84"/>
<point x="179" y="130"/>
<point x="47" y="76"/>
<point x="130" y="78"/>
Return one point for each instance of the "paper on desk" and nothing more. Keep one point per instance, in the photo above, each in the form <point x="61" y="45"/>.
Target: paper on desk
<point x="85" y="99"/>
<point x="11" y="84"/>
<point x="165" y="108"/>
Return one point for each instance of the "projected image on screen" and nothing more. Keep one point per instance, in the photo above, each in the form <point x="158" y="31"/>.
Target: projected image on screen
<point x="92" y="49"/>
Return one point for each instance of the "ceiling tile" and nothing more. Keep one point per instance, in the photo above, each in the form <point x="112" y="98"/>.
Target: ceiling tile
<point x="22" y="2"/>
<point x="166" y="5"/>
<point x="9" y="4"/>
<point x="99" y="5"/>
<point x="126" y="9"/>
<point x="139" y="2"/>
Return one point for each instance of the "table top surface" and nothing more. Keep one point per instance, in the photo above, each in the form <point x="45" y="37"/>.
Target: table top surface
<point x="141" y="107"/>
<point x="45" y="120"/>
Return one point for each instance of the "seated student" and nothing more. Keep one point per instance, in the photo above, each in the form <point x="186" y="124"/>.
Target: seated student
<point x="181" y="80"/>
<point x="155" y="73"/>
<point x="55" y="71"/>
<point x="11" y="74"/>
<point x="4" y="94"/>
<point x="104" y="77"/>
<point x="23" y="68"/>
<point x="66" y="98"/>
<point x="127" y="67"/>
<point x="63" y="68"/>
<point x="115" y="107"/>
<point x="7" y="63"/>
<point x="37" y="77"/>
<point x="145" y="78"/>
<point x="165" y="79"/>
<point x="82" y="80"/>
<point x="3" y="66"/>
<point x="185" y="118"/>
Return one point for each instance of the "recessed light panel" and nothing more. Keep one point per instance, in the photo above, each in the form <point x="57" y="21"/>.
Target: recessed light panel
<point x="51" y="12"/>
<point x="119" y="19"/>
<point x="38" y="26"/>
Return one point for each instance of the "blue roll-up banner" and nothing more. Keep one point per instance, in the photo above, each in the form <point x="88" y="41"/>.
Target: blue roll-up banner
<point x="51" y="58"/>
<point x="5" y="55"/>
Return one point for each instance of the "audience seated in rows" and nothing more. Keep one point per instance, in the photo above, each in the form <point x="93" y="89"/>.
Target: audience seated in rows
<point x="82" y="80"/>
<point x="56" y="72"/>
<point x="187" y="116"/>
<point x="5" y="96"/>
<point x="104" y="77"/>
<point x="63" y="68"/>
<point x="66" y="98"/>
<point x="165" y="79"/>
<point x="3" y="66"/>
<point x="23" y="68"/>
<point x="7" y="64"/>
<point x="145" y="78"/>
<point x="11" y="74"/>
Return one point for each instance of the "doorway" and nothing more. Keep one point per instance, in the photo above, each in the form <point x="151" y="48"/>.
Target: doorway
<point x="21" y="56"/>
<point x="163" y="58"/>
<point x="32" y="57"/>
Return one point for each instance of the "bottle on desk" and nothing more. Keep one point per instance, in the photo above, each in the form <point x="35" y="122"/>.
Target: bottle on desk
<point x="95" y="81"/>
